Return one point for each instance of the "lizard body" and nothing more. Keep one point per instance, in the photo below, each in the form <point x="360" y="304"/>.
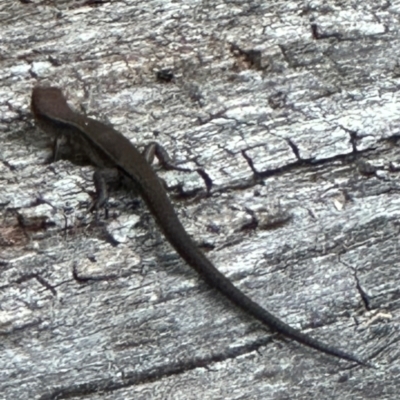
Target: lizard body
<point x="106" y="147"/>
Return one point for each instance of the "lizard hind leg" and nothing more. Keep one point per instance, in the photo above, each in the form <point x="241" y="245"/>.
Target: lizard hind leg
<point x="101" y="179"/>
<point x="154" y="149"/>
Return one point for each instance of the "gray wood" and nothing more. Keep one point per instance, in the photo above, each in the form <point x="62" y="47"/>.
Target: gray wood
<point x="291" y="109"/>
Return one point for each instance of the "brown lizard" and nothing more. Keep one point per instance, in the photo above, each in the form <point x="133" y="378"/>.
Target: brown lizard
<point x="106" y="147"/>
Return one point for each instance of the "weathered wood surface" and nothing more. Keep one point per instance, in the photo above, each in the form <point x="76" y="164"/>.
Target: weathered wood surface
<point x="292" y="111"/>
